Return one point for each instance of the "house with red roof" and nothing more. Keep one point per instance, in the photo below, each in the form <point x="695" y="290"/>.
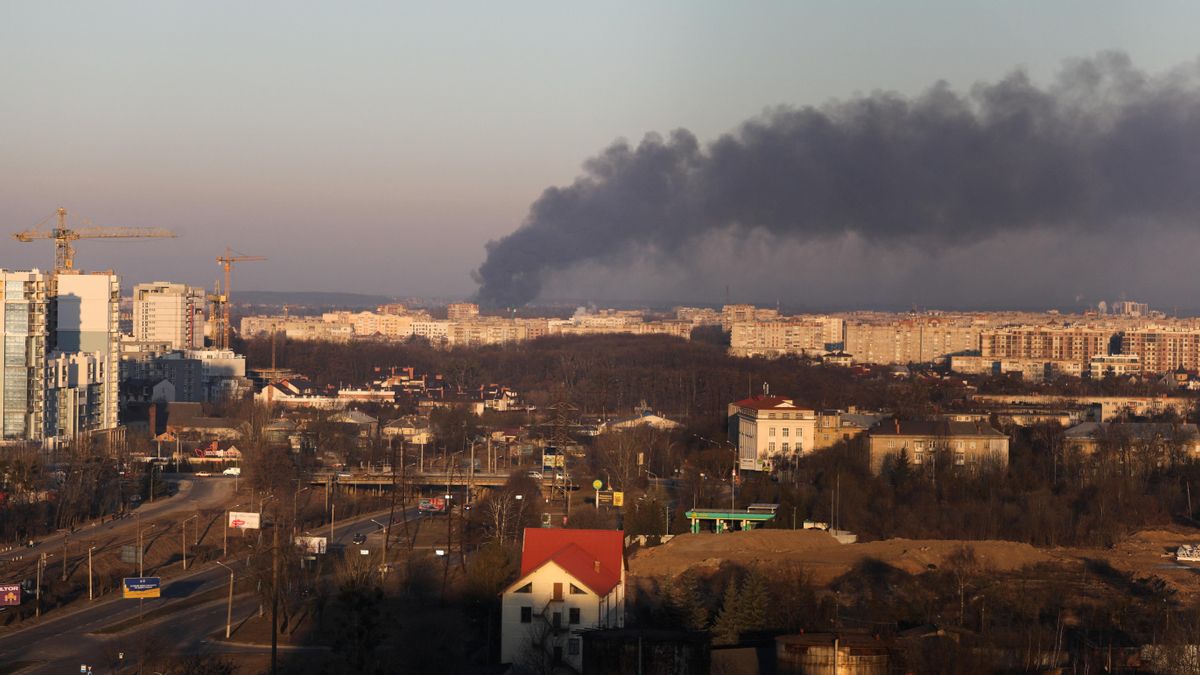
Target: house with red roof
<point x="571" y="581"/>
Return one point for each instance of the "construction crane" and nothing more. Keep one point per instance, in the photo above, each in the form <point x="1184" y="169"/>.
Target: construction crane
<point x="64" y="252"/>
<point x="226" y="262"/>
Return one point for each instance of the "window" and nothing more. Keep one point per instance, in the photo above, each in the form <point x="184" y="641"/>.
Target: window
<point x="526" y="615"/>
<point x="573" y="615"/>
<point x="573" y="647"/>
<point x="771" y="447"/>
<point x="771" y="432"/>
<point x="527" y="588"/>
<point x="918" y="456"/>
<point x="785" y="447"/>
<point x="575" y="590"/>
<point x="785" y="431"/>
<point x="960" y="458"/>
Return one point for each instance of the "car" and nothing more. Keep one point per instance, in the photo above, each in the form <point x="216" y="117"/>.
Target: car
<point x="202" y="474"/>
<point x="536" y="475"/>
<point x="360" y="538"/>
<point x="232" y="471"/>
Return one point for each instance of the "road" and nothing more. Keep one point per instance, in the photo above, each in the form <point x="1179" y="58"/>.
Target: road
<point x="191" y="494"/>
<point x="60" y="645"/>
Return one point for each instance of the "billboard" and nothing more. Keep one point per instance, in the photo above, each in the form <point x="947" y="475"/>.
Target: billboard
<point x="10" y="594"/>
<point x="141" y="587"/>
<point x="610" y="498"/>
<point x="312" y="545"/>
<point x="244" y="520"/>
<point x="432" y="504"/>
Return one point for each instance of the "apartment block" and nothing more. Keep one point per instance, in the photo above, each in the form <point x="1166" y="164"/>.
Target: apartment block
<point x="801" y="336"/>
<point x="910" y="340"/>
<point x="25" y="298"/>
<point x="1161" y="350"/>
<point x="1072" y="343"/>
<point x="927" y="442"/>
<point x="169" y="312"/>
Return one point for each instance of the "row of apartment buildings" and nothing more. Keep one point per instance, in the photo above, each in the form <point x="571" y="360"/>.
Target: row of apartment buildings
<point x="463" y="327"/>
<point x="979" y="342"/>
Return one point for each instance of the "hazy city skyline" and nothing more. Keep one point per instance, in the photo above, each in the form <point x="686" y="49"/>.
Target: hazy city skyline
<point x="379" y="152"/>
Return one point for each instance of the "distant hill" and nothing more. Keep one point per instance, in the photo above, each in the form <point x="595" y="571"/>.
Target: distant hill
<point x="310" y="299"/>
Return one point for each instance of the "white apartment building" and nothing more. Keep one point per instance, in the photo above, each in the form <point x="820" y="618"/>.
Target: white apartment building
<point x="83" y="368"/>
<point x="169" y="312"/>
<point x="571" y="581"/>
<point x="801" y="336"/>
<point x="767" y="427"/>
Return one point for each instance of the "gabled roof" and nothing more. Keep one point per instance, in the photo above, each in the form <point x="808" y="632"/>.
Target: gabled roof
<point x="766" y="403"/>
<point x="594" y="557"/>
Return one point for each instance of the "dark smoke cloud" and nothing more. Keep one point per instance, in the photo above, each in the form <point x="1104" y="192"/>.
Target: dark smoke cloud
<point x="1104" y="147"/>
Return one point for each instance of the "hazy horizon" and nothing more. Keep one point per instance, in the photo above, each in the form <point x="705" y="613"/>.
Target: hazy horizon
<point x="377" y="151"/>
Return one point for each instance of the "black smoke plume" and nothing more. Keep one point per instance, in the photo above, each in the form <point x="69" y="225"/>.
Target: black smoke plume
<point x="1105" y="146"/>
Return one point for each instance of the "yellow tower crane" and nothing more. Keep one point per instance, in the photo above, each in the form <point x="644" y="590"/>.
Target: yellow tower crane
<point x="64" y="252"/>
<point x="226" y="262"/>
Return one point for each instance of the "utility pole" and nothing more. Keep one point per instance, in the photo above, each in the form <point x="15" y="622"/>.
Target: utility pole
<point x="332" y="521"/>
<point x="274" y="591"/>
<point x="90" y="595"/>
<point x="64" y="574"/>
<point x="229" y="605"/>
<point x="37" y="611"/>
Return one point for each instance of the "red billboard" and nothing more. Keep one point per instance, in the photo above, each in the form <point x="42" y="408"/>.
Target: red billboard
<point x="10" y="594"/>
<point x="432" y="504"/>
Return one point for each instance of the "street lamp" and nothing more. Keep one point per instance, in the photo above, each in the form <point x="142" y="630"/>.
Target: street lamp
<point x="229" y="606"/>
<point x="90" y="595"/>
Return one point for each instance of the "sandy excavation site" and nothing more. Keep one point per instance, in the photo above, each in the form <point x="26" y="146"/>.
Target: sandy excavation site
<point x="1144" y="554"/>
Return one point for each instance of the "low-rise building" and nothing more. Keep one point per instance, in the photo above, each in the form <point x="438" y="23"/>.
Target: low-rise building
<point x="926" y="442"/>
<point x="1160" y="438"/>
<point x="571" y="581"/>
<point x="769" y="426"/>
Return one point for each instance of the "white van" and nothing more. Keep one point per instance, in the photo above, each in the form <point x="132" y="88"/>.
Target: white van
<point x="232" y="471"/>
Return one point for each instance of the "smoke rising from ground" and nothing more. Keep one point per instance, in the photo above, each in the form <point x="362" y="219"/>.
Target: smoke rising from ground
<point x="1104" y="147"/>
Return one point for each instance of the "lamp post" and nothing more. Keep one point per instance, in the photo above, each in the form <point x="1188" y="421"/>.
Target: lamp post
<point x="229" y="605"/>
<point x="90" y="595"/>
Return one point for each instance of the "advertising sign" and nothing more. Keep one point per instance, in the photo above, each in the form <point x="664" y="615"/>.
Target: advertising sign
<point x="243" y="520"/>
<point x="141" y="587"/>
<point x="432" y="504"/>
<point x="314" y="545"/>
<point x="618" y="498"/>
<point x="130" y="554"/>
<point x="10" y="594"/>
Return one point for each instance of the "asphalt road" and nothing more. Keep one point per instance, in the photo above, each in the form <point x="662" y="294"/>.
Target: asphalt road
<point x="60" y="645"/>
<point x="191" y="494"/>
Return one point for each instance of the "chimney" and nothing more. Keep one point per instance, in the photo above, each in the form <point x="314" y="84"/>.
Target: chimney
<point x="596" y="566"/>
<point x="897" y="425"/>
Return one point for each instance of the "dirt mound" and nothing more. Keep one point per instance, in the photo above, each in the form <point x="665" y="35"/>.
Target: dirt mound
<point x="820" y="553"/>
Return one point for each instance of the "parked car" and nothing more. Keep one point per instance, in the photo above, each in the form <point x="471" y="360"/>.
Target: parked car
<point x="536" y="475"/>
<point x="232" y="471"/>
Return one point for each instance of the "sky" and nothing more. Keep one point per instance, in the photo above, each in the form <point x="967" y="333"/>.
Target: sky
<point x="377" y="147"/>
